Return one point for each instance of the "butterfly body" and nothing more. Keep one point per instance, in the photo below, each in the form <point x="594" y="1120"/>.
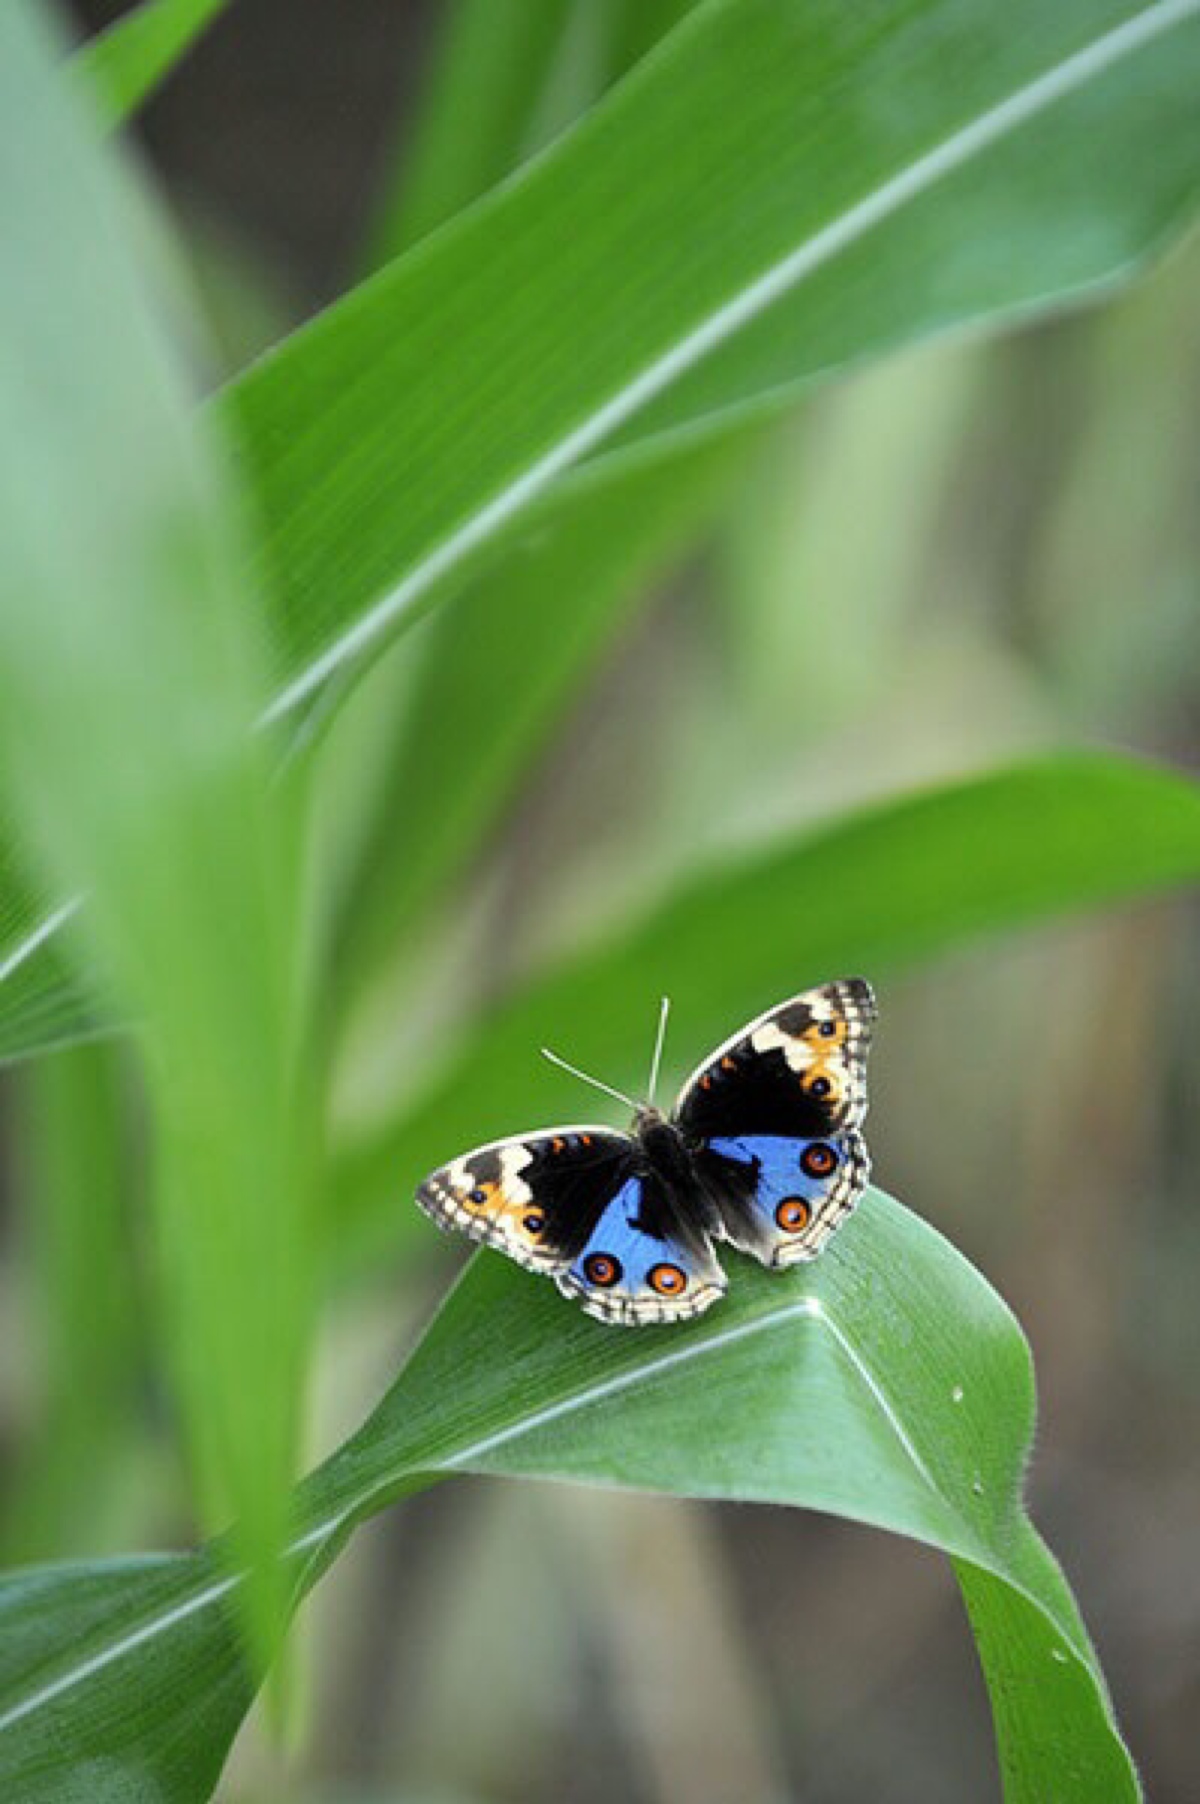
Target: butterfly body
<point x="762" y="1150"/>
<point x="674" y="1161"/>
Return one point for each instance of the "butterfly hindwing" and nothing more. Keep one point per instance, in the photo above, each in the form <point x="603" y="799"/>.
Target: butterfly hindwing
<point x="780" y="1199"/>
<point x="535" y="1197"/>
<point x="643" y="1262"/>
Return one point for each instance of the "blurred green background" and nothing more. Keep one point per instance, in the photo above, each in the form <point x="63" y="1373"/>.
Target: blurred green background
<point x="986" y="550"/>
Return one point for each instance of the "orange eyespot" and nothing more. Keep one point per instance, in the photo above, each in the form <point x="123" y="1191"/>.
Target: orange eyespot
<point x="793" y="1214"/>
<point x="727" y="1064"/>
<point x="480" y="1195"/>
<point x="534" y="1222"/>
<point x="818" y="1160"/>
<point x="820" y="1085"/>
<point x="602" y="1269"/>
<point x="827" y="1029"/>
<point x="557" y="1144"/>
<point x="667" y="1280"/>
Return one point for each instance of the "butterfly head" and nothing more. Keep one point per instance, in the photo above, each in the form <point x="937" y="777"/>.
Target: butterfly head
<point x="661" y="1142"/>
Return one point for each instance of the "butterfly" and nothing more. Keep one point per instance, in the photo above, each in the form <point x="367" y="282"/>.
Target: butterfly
<point x="763" y="1149"/>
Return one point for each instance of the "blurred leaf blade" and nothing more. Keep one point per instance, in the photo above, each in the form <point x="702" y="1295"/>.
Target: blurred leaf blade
<point x="71" y="1108"/>
<point x="506" y="78"/>
<point x="490" y="65"/>
<point x="131" y="677"/>
<point x="510" y="636"/>
<point x="129" y="60"/>
<point x="887" y="1383"/>
<point x="46" y="1003"/>
<point x="895" y="883"/>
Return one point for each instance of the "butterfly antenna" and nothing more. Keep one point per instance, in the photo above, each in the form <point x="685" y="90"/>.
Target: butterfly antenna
<point x="659" y="1042"/>
<point x="587" y="1078"/>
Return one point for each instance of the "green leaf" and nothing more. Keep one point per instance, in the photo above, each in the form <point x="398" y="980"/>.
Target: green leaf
<point x="886" y="1383"/>
<point x="129" y="1724"/>
<point x="901" y="881"/>
<point x="130" y="682"/>
<point x="129" y="60"/>
<point x="890" y="173"/>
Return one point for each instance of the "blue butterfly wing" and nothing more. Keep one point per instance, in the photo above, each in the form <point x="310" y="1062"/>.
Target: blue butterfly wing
<point x="642" y="1263"/>
<point x="780" y="1198"/>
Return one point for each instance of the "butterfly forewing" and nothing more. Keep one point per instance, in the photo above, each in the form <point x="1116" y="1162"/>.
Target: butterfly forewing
<point x="800" y="1069"/>
<point x="536" y="1197"/>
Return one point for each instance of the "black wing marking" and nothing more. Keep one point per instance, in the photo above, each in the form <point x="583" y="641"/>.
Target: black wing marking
<point x="799" y="1070"/>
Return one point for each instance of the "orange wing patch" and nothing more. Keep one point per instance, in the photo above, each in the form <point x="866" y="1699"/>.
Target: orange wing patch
<point x="823" y="1036"/>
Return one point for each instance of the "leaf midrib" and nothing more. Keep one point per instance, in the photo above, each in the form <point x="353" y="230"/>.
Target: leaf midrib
<point x="36" y="936"/>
